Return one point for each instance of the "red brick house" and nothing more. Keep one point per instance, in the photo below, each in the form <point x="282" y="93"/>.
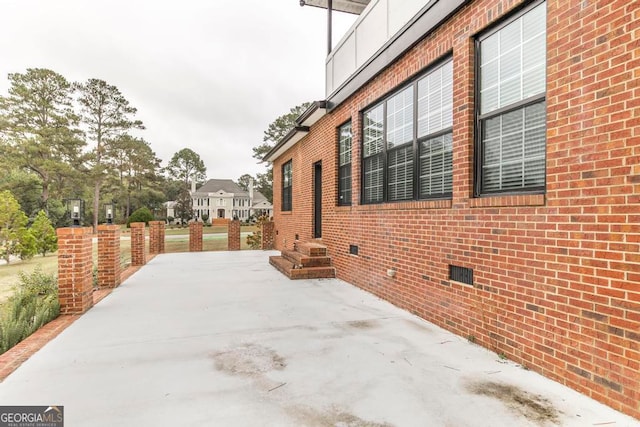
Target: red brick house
<point x="477" y="162"/>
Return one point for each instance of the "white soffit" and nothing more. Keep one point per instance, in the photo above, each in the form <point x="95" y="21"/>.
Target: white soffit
<point x="349" y="6"/>
<point x="296" y="135"/>
<point x="314" y="117"/>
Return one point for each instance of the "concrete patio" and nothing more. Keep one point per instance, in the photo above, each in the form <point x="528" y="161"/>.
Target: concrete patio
<point x="222" y="338"/>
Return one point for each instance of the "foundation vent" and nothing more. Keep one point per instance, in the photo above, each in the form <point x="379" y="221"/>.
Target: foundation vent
<point x="461" y="274"/>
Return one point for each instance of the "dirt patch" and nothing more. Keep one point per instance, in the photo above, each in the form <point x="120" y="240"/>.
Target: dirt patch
<point x="333" y="417"/>
<point x="363" y="324"/>
<point x="532" y="406"/>
<point x="248" y="360"/>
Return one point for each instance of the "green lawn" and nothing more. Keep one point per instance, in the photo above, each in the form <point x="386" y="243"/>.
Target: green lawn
<point x="9" y="274"/>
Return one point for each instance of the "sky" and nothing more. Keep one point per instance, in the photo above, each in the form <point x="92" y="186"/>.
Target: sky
<point x="209" y="75"/>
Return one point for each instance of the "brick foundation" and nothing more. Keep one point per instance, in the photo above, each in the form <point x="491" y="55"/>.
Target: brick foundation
<point x="75" y="270"/>
<point x="195" y="236"/>
<point x="267" y="235"/>
<point x="156" y="237"/>
<point x="138" y="250"/>
<point x="109" y="265"/>
<point x="233" y="233"/>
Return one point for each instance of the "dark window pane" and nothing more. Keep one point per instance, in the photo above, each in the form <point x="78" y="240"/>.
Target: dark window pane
<point x="400" y="170"/>
<point x="373" y="179"/>
<point x="287" y="186"/>
<point x="514" y="157"/>
<point x="435" y="167"/>
<point x="345" y="140"/>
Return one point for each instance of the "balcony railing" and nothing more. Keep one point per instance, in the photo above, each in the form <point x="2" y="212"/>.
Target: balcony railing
<point x="378" y="23"/>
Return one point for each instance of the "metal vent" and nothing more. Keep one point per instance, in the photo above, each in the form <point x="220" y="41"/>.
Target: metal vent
<point x="353" y="249"/>
<point x="461" y="274"/>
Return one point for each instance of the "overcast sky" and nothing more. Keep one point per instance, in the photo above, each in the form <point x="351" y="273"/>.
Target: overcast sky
<point x="209" y="75"/>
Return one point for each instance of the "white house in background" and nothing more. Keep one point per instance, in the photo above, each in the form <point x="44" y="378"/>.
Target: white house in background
<point x="223" y="198"/>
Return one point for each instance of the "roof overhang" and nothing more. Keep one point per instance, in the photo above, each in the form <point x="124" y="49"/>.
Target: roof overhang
<point x="312" y="114"/>
<point x="349" y="6"/>
<point x="304" y="122"/>
<point x="289" y="140"/>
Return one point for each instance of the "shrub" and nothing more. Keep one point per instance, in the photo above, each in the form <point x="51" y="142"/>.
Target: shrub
<point x="254" y="240"/>
<point x="140" y="215"/>
<point x="34" y="304"/>
<point x="38" y="283"/>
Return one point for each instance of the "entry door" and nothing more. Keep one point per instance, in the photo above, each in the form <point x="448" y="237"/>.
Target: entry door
<point x="317" y="200"/>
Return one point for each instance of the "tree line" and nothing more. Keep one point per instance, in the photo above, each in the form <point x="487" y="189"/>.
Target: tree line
<point x="63" y="140"/>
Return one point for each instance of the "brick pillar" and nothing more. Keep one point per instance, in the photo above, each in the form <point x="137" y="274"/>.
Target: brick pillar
<point x="268" y="228"/>
<point x="233" y="236"/>
<point x="195" y="236"/>
<point x="156" y="237"/>
<point x="109" y="266"/>
<point x="138" y="252"/>
<point x="75" y="275"/>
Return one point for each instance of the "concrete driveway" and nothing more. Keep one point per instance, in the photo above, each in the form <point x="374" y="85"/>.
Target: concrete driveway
<point x="222" y="339"/>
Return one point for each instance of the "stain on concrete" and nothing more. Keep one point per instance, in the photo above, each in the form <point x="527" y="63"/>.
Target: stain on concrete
<point x="363" y="324"/>
<point x="248" y="360"/>
<point x="532" y="406"/>
<point x="334" y="417"/>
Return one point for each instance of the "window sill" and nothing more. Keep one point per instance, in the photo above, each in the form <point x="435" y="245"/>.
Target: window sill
<point x="506" y="201"/>
<point x="286" y="212"/>
<point x="412" y="204"/>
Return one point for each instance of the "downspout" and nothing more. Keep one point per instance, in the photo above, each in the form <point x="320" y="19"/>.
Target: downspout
<point x="329" y="29"/>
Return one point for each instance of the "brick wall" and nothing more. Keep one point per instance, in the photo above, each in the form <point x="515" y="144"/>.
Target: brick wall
<point x="109" y="266"/>
<point x="138" y="251"/>
<point x="556" y="276"/>
<point x="195" y="236"/>
<point x="233" y="235"/>
<point x="75" y="270"/>
<point x="156" y="237"/>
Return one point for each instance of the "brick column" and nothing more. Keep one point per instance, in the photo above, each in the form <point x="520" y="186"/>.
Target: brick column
<point x="156" y="237"/>
<point x="75" y="275"/>
<point x="267" y="235"/>
<point x="233" y="235"/>
<point x="109" y="267"/>
<point x="138" y="252"/>
<point x="195" y="236"/>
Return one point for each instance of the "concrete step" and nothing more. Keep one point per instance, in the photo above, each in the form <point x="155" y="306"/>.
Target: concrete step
<point x="302" y="261"/>
<point x="286" y="267"/>
<point x="311" y="248"/>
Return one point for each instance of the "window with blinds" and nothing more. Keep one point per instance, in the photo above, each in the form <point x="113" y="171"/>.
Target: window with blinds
<point x="413" y="123"/>
<point x="512" y="113"/>
<point x="287" y="184"/>
<point x="345" y="139"/>
<point x="373" y="152"/>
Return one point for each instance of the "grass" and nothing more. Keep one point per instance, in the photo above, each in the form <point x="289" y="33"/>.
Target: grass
<point x="9" y="274"/>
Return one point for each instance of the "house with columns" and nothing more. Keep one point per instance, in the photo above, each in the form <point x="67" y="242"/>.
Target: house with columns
<point x="223" y="198"/>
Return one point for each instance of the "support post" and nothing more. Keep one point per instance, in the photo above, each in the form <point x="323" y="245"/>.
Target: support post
<point x="75" y="265"/>
<point x="109" y="266"/>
